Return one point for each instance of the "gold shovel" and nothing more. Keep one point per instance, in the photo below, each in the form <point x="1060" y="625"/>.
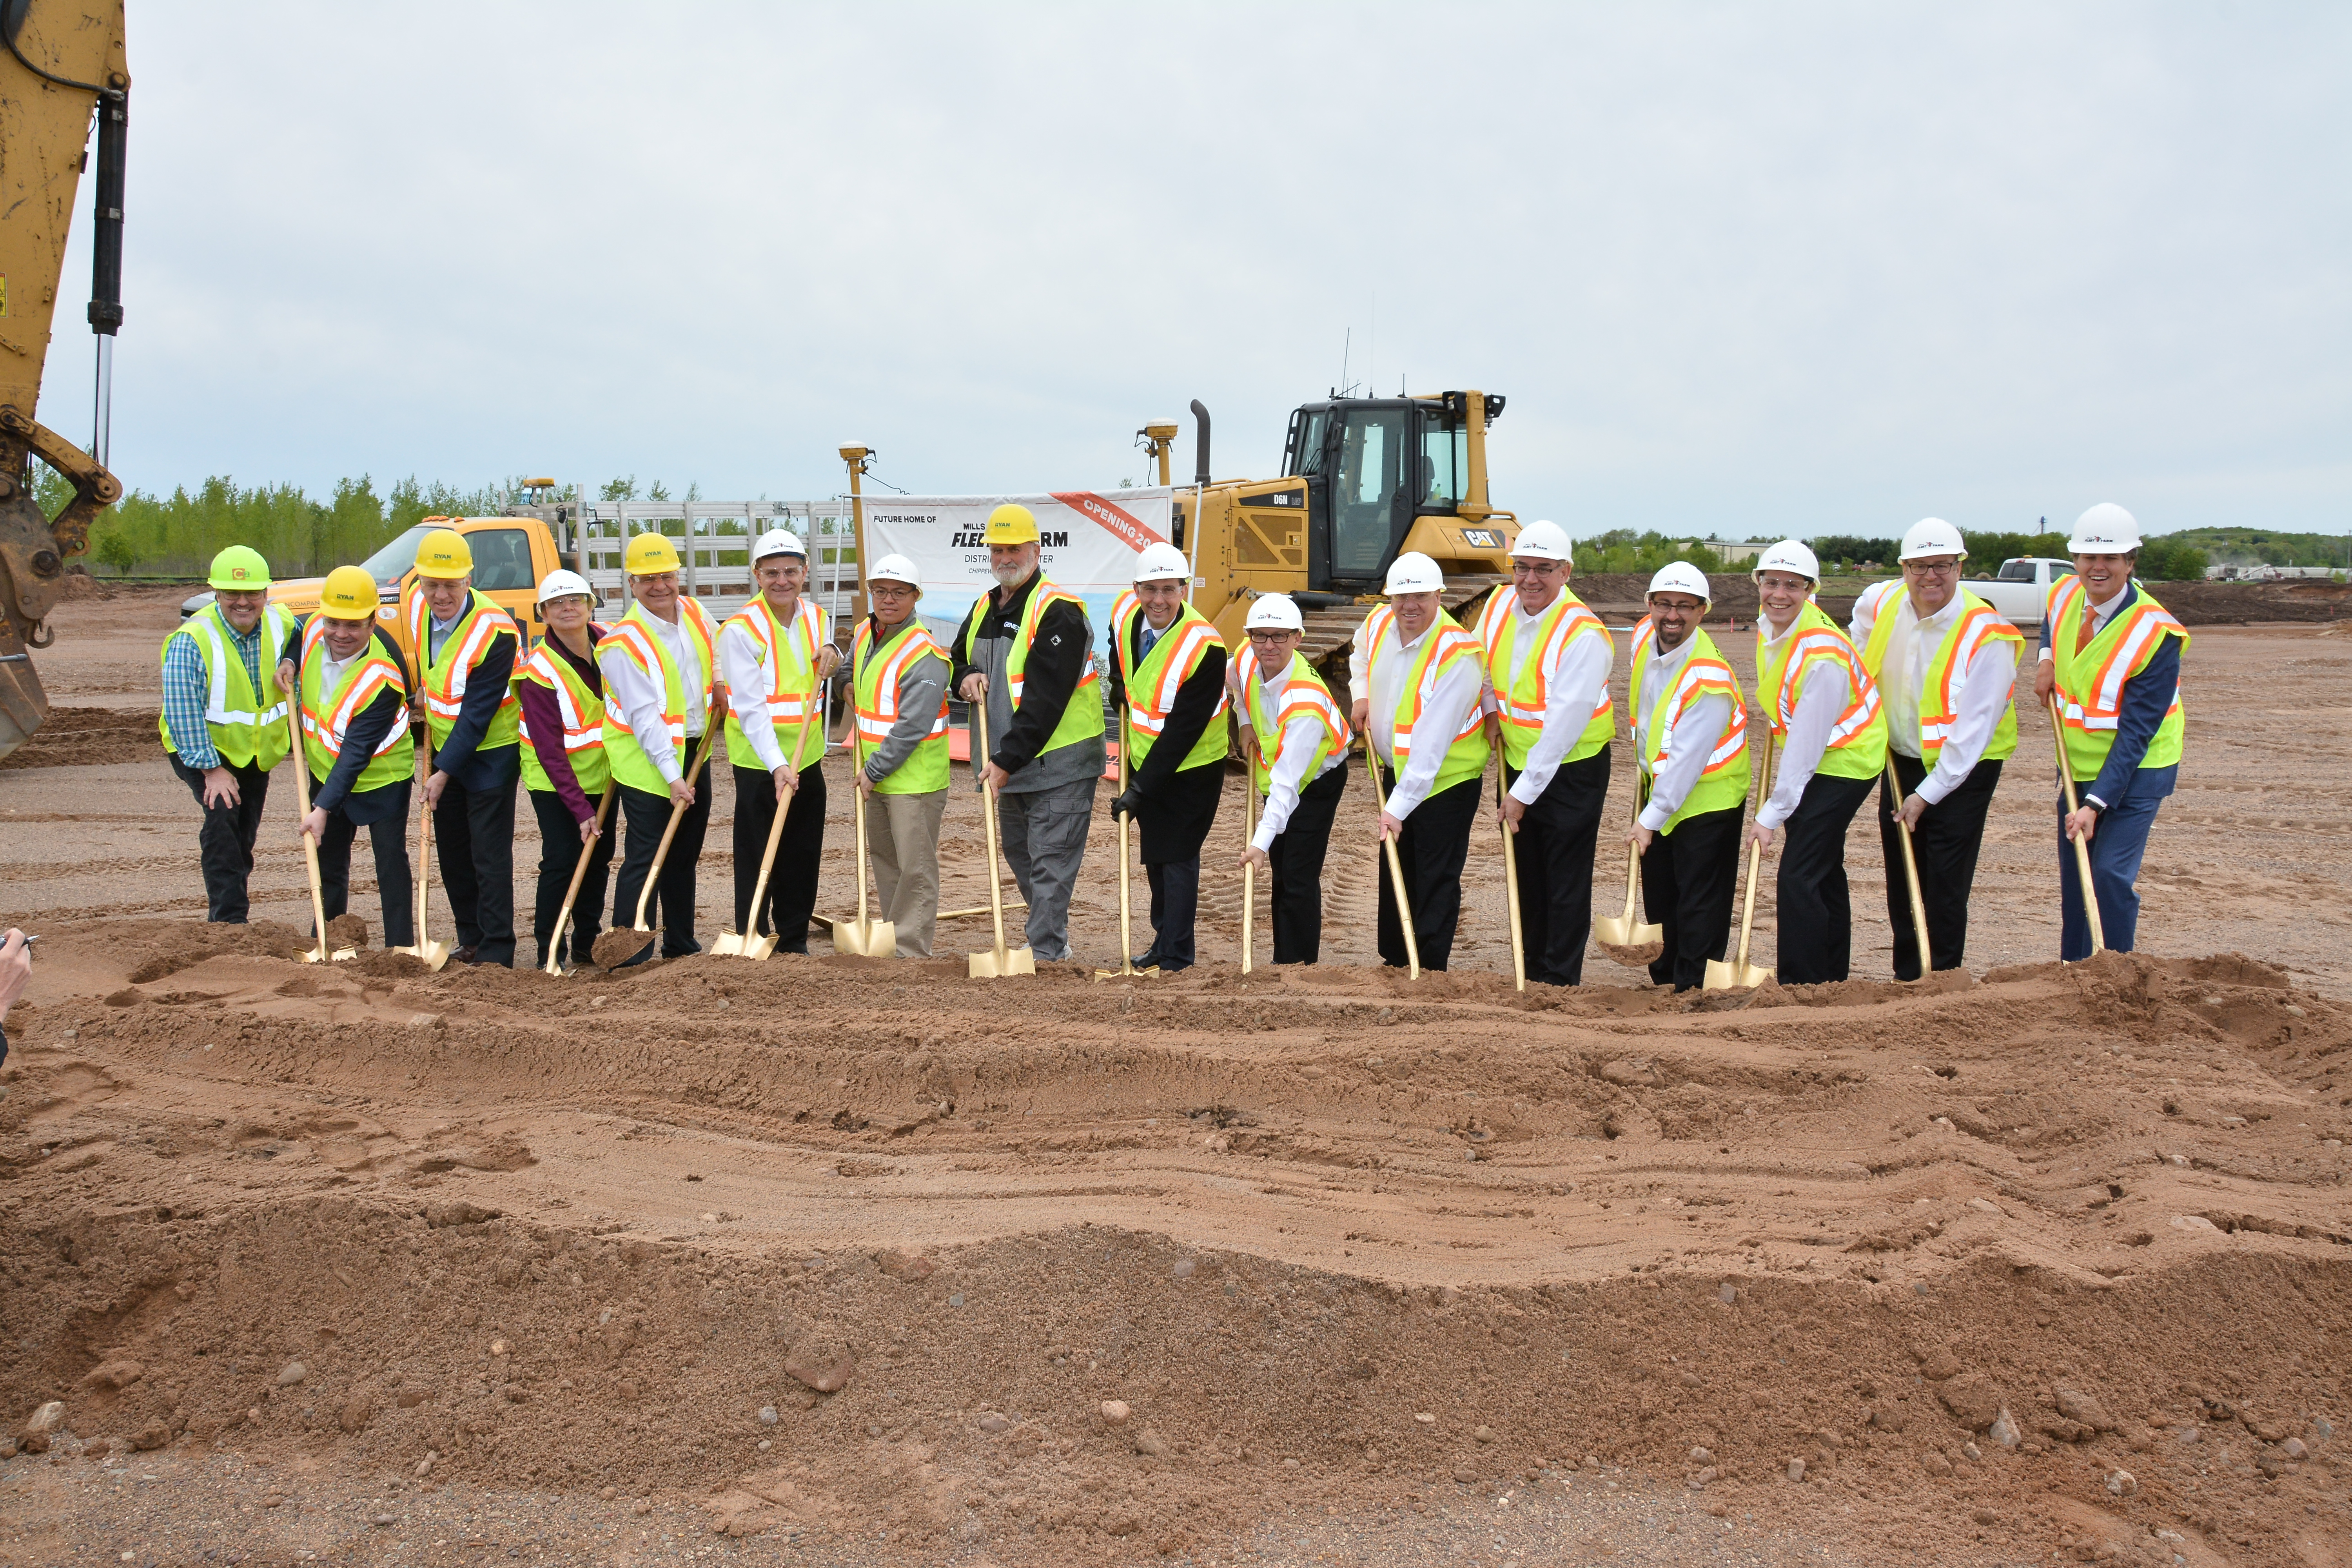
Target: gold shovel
<point x="728" y="943"/>
<point x="2081" y="850"/>
<point x="862" y="937"/>
<point x="310" y="844"/>
<point x="432" y="954"/>
<point x="1511" y="888"/>
<point x="1396" y="867"/>
<point x="579" y="875"/>
<point x="1249" y="837"/>
<point x="615" y="948"/>
<point x="1910" y="873"/>
<point x="1740" y="974"/>
<point x="1001" y="960"/>
<point x="1125" y="970"/>
<point x="1624" y="938"/>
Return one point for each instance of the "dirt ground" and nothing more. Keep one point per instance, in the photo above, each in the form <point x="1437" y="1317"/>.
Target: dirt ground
<point x="830" y="1260"/>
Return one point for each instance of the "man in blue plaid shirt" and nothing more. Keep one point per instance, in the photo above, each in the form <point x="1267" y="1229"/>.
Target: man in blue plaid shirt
<point x="224" y="720"/>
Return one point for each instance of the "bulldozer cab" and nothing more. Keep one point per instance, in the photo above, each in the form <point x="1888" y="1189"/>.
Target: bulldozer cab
<point x="1375" y="466"/>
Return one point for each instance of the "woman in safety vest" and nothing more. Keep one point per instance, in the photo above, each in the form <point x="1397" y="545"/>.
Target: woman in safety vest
<point x="1548" y="660"/>
<point x="899" y="681"/>
<point x="563" y="767"/>
<point x="2112" y="654"/>
<point x="774" y="654"/>
<point x="346" y="667"/>
<point x="1168" y="685"/>
<point x="1945" y="662"/>
<point x="1831" y="730"/>
<point x="1690" y="741"/>
<point x="224" y="719"/>
<point x="1297" y="745"/>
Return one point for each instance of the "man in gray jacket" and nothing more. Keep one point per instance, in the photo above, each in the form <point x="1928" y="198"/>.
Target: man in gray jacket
<point x="900" y="682"/>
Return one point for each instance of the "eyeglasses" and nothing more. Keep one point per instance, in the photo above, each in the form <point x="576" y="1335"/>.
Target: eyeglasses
<point x="1931" y="568"/>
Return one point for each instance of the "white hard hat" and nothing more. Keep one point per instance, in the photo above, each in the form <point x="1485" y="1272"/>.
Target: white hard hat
<point x="1543" y="540"/>
<point x="1932" y="536"/>
<point x="1789" y="556"/>
<point x="2105" y="529"/>
<point x="1161" y="562"/>
<point x="1682" y="577"/>
<point x="556" y="584"/>
<point x="778" y="542"/>
<point x="1273" y="613"/>
<point x="1413" y="572"/>
<point x="895" y="569"/>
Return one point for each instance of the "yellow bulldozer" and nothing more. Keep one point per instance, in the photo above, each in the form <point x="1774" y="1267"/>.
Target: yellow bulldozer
<point x="65" y="68"/>
<point x="1364" y="480"/>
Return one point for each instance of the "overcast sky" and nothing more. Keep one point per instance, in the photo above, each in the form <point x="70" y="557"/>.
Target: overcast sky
<point x="1753" y="269"/>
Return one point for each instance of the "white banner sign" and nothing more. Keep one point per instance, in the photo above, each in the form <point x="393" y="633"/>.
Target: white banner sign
<point x="1088" y="543"/>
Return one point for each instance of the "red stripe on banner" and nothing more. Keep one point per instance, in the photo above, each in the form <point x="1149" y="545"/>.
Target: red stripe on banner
<point x="1133" y="529"/>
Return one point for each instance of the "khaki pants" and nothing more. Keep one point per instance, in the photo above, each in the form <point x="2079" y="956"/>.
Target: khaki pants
<point x="902" y="835"/>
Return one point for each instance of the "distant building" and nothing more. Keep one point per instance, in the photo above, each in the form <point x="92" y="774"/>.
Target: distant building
<point x="1728" y="552"/>
<point x="2267" y="574"/>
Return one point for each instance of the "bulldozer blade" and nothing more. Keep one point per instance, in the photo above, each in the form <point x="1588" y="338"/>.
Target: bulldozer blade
<point x="867" y="939"/>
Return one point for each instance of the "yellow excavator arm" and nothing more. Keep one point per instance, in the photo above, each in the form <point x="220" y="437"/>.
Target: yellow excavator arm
<point x="63" y="71"/>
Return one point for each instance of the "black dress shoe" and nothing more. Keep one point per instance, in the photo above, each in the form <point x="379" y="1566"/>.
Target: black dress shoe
<point x="466" y="954"/>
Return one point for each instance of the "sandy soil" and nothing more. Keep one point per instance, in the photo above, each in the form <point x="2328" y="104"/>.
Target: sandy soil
<point x="841" y="1260"/>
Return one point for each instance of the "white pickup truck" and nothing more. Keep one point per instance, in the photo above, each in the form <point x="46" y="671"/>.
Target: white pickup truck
<point x="2020" y="590"/>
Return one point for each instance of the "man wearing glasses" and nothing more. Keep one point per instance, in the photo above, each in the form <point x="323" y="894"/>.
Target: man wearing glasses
<point x="1945" y="662"/>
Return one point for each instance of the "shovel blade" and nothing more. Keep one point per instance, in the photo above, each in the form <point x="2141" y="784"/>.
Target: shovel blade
<point x="433" y="955"/>
<point x="1624" y="931"/>
<point x="867" y="939"/>
<point x="727" y="944"/>
<point x="992" y="965"/>
<point x="759" y="947"/>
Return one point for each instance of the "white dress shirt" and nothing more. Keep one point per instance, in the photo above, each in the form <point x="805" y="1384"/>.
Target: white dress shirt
<point x="1911" y="648"/>
<point x="1298" y="739"/>
<point x="1577" y="685"/>
<point x="640" y="695"/>
<point x="1456" y="694"/>
<point x="1695" y="739"/>
<point x="1820" y="700"/>
<point x="2100" y="615"/>
<point x="743" y="666"/>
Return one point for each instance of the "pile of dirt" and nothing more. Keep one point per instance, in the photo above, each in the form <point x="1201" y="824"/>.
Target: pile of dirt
<point x="1069" y="1271"/>
<point x="83" y="736"/>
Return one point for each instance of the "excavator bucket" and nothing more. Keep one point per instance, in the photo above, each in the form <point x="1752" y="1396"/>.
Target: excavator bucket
<point x="24" y="706"/>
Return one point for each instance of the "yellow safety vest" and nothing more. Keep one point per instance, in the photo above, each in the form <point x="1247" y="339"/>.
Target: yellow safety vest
<point x="1947" y="670"/>
<point x="1723" y="784"/>
<point x="444" y="679"/>
<point x="1303" y="694"/>
<point x="327" y="716"/>
<point x="1151" y="686"/>
<point x="2090" y="683"/>
<point x="1442" y="647"/>
<point x="1521" y="702"/>
<point x="873" y="685"/>
<point x="1857" y="743"/>
<point x="636" y="640"/>
<point x="789" y="656"/>
<point x="248" y="729"/>
<point x="582" y="713"/>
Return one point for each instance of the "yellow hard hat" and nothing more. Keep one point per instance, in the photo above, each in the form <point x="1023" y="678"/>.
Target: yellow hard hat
<point x="1011" y="523"/>
<point x="445" y="554"/>
<point x="649" y="553"/>
<point x="239" y="569"/>
<point x="349" y="595"/>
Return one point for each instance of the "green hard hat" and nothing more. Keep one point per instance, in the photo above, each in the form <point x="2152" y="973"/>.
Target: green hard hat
<point x="239" y="569"/>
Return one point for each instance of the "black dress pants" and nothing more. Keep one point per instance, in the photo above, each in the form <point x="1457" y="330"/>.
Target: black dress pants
<point x="388" y="838"/>
<point x="1554" y="848"/>
<point x="1944" y="843"/>
<point x="559" y="856"/>
<point x="226" y="841"/>
<point x="1687" y="879"/>
<point x="671" y="908"/>
<point x="1814" y="913"/>
<point x="473" y="840"/>
<point x="1431" y="851"/>
<point x="792" y="885"/>
<point x="1296" y="857"/>
<point x="1172" y="823"/>
<point x="1175" y="906"/>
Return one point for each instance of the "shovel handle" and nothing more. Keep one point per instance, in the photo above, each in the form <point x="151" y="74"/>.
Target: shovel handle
<point x="1126" y="899"/>
<point x="988" y="828"/>
<point x="302" y="799"/>
<point x="1511" y="888"/>
<point x="1755" y="849"/>
<point x="776" y="833"/>
<point x="1249" y="837"/>
<point x="579" y="875"/>
<point x="1396" y="868"/>
<point x="424" y="836"/>
<point x="677" y="815"/>
<point x="1910" y="872"/>
<point x="2081" y="850"/>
